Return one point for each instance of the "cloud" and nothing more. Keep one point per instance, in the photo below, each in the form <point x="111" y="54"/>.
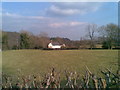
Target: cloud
<point x="36" y="24"/>
<point x="54" y="10"/>
<point x="72" y="8"/>
<point x="57" y="25"/>
<point x="11" y="15"/>
<point x="14" y="15"/>
<point x="66" y="24"/>
<point x="77" y="23"/>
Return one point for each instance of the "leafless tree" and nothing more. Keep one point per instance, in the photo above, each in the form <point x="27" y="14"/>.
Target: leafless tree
<point x="91" y="29"/>
<point x="44" y="39"/>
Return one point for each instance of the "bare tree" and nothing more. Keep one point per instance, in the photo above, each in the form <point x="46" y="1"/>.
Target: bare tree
<point x="43" y="34"/>
<point x="91" y="29"/>
<point x="44" y="39"/>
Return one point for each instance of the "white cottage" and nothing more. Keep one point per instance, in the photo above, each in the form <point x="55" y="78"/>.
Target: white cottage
<point x="55" y="45"/>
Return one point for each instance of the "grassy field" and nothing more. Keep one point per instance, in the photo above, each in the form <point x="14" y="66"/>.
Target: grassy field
<point x="40" y="61"/>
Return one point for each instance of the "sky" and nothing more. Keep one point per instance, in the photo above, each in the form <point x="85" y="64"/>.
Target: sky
<point x="57" y="19"/>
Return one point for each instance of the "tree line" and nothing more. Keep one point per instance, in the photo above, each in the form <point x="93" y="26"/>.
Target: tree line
<point x="106" y="37"/>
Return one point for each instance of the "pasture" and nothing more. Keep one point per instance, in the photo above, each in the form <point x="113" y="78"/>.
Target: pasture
<point x="40" y="61"/>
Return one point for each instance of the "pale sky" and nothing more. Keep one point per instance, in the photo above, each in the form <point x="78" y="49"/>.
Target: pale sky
<point x="63" y="19"/>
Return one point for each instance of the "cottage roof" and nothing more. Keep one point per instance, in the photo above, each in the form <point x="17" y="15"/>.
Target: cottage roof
<point x="55" y="43"/>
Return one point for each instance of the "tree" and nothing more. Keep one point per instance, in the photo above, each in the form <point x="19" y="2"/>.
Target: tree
<point x="43" y="39"/>
<point x="110" y="35"/>
<point x="15" y="47"/>
<point x="24" y="40"/>
<point x="91" y="29"/>
<point x="5" y="42"/>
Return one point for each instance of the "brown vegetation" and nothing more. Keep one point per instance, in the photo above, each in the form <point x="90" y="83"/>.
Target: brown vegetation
<point x="53" y="80"/>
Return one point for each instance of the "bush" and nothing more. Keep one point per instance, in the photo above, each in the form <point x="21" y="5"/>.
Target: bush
<point x="53" y="80"/>
<point x="106" y="45"/>
<point x="15" y="47"/>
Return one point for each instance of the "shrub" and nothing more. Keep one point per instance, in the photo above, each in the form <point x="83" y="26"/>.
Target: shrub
<point x="53" y="80"/>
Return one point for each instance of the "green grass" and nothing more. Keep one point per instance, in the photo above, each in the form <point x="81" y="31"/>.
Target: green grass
<point x="39" y="61"/>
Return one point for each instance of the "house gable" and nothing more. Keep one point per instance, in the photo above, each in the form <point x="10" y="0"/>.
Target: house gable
<point x="54" y="46"/>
